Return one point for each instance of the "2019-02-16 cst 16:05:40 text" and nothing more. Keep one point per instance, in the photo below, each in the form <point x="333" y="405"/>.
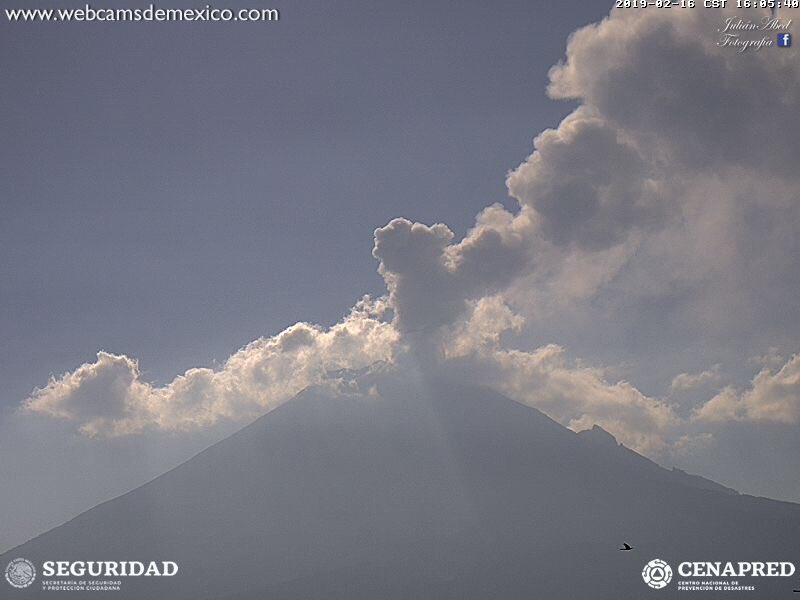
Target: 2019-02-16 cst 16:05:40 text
<point x="767" y="4"/>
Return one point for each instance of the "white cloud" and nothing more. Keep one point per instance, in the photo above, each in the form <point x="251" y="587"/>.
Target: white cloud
<point x="664" y="208"/>
<point x="689" y="381"/>
<point x="574" y="395"/>
<point x="656" y="202"/>
<point x="109" y="398"/>
<point x="670" y="182"/>
<point x="773" y="396"/>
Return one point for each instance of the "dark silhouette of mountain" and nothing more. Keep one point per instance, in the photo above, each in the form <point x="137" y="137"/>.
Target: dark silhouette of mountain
<point x="391" y="487"/>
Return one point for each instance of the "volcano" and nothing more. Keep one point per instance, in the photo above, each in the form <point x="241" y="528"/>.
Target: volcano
<point x="389" y="487"/>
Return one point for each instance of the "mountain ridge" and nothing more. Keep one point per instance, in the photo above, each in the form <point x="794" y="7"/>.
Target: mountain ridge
<point x="422" y="486"/>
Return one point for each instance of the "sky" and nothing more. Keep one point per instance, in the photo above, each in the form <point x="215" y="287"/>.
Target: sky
<point x="598" y="221"/>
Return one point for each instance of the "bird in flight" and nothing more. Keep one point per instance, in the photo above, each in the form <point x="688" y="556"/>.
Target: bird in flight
<point x="626" y="547"/>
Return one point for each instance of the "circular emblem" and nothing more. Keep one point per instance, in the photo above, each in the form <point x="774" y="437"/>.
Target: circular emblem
<point x="657" y="574"/>
<point x="20" y="572"/>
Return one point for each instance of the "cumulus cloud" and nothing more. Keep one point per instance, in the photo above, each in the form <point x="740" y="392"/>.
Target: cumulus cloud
<point x="685" y="99"/>
<point x="667" y="199"/>
<point x="689" y="381"/>
<point x="708" y="134"/>
<point x="671" y="180"/>
<point x="773" y="396"/>
<point x="664" y="205"/>
<point x="109" y="398"/>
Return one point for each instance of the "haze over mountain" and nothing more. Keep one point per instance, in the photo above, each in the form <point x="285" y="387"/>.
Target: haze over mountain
<point x="388" y="485"/>
<point x="181" y="261"/>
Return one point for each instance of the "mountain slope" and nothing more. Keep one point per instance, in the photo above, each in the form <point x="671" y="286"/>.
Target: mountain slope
<point x="417" y="489"/>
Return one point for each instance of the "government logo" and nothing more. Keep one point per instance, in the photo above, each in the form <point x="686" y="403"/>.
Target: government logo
<point x="20" y="573"/>
<point x="657" y="574"/>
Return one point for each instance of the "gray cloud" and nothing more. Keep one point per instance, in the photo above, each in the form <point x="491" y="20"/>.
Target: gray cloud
<point x="670" y="186"/>
<point x="587" y="185"/>
<point x="652" y="193"/>
<point x="663" y="79"/>
<point x="430" y="279"/>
